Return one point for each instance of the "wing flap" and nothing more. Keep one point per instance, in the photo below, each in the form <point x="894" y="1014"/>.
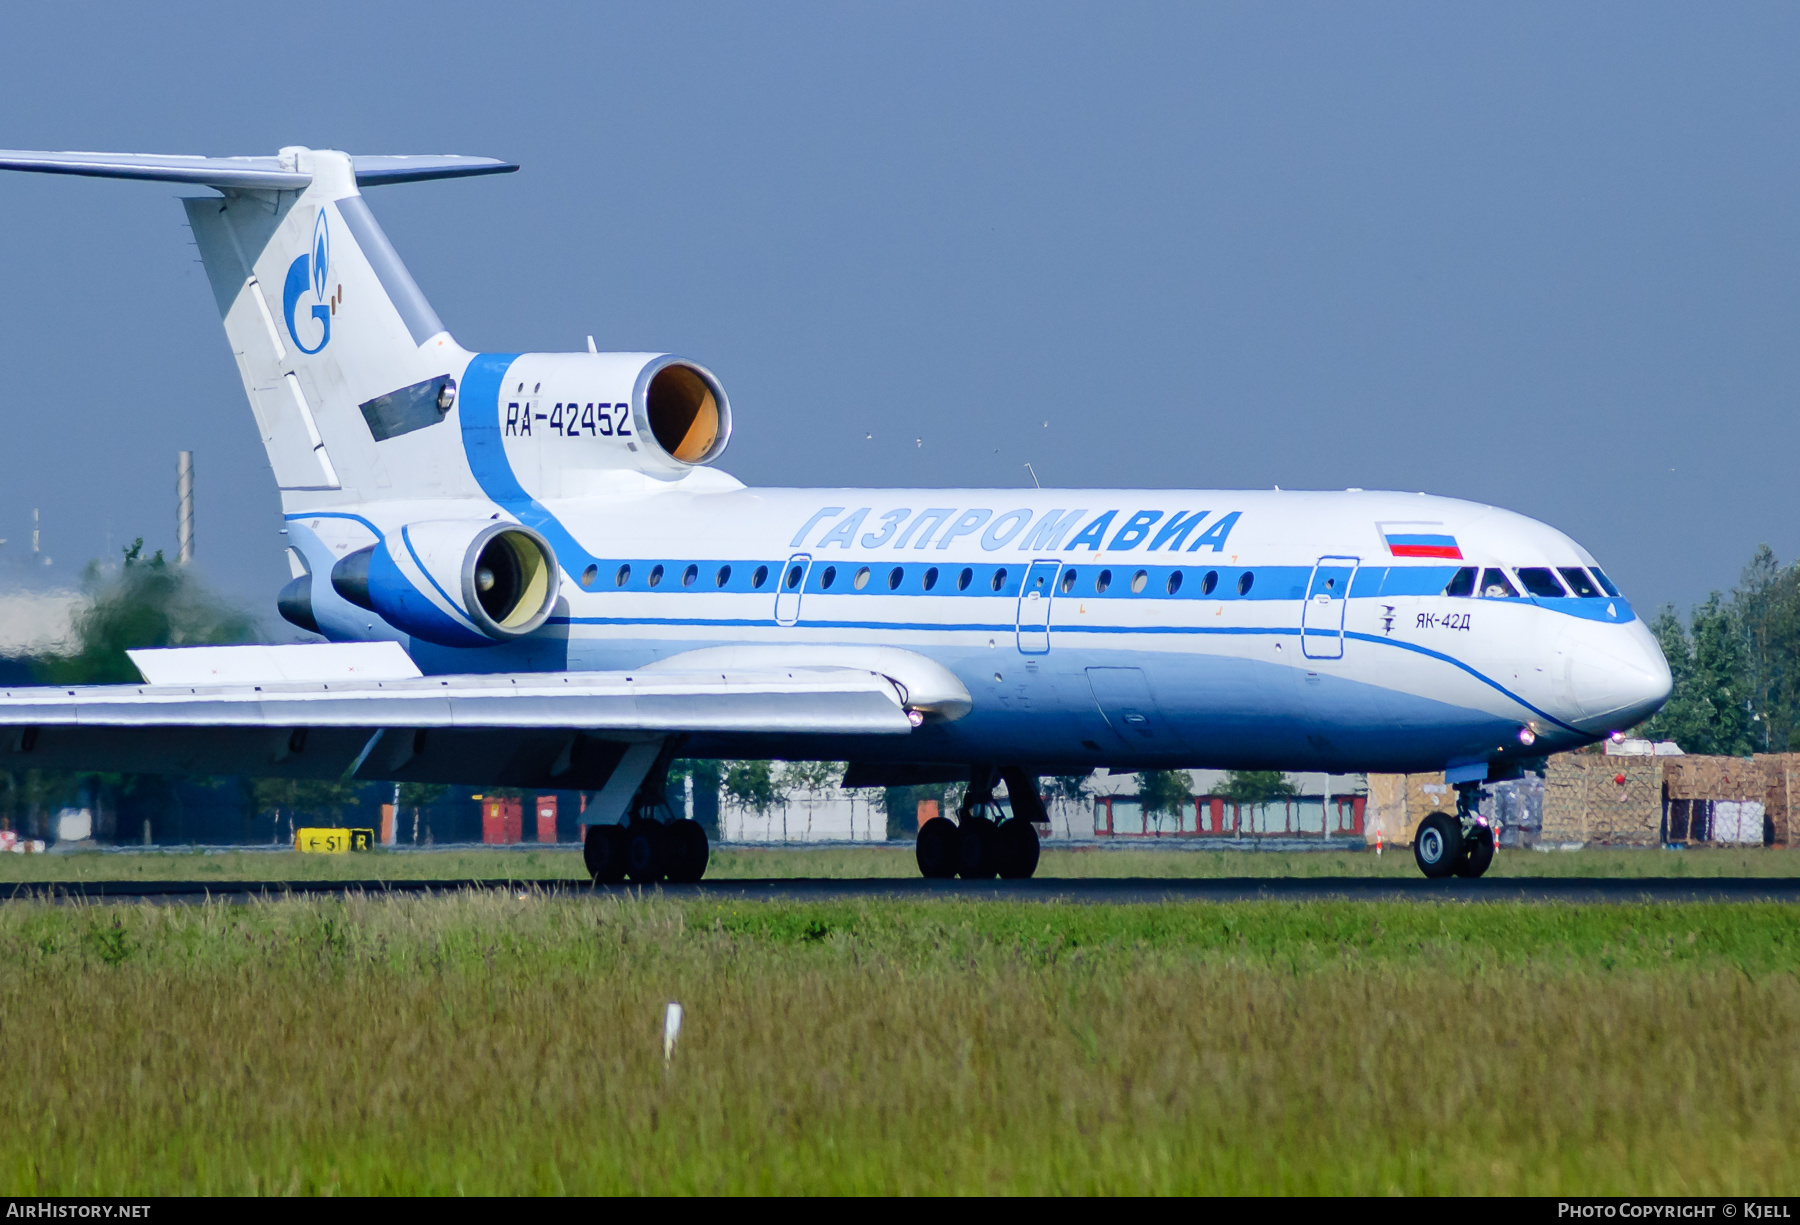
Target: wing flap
<point x="564" y="730"/>
<point x="824" y="701"/>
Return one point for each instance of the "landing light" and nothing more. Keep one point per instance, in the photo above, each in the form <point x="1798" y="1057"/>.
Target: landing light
<point x="914" y="717"/>
<point x="1527" y="737"/>
<point x="1617" y="737"/>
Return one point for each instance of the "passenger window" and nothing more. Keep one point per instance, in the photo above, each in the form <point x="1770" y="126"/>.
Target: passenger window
<point x="1495" y="585"/>
<point x="862" y="579"/>
<point x="999" y="578"/>
<point x="623" y="576"/>
<point x="1579" y="582"/>
<point x="1246" y="580"/>
<point x="1068" y="580"/>
<point x="1209" y="582"/>
<point x="689" y="575"/>
<point x="828" y="578"/>
<point x="795" y="573"/>
<point x="1463" y="583"/>
<point x="894" y="577"/>
<point x="930" y="580"/>
<point x="655" y="575"/>
<point x="1605" y="583"/>
<point x="723" y="577"/>
<point x="1541" y="581"/>
<point x="1174" y="582"/>
<point x="1102" y="581"/>
<point x="1138" y="581"/>
<point x="589" y="575"/>
<point x="964" y="579"/>
<point x="759" y="578"/>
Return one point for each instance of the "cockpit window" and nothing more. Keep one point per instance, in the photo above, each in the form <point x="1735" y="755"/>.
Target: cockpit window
<point x="1463" y="583"/>
<point x="1495" y="585"/>
<point x="1605" y="583"/>
<point x="1541" y="581"/>
<point x="1579" y="582"/>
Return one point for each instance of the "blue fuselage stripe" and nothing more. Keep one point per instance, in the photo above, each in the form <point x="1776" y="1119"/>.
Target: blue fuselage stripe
<point x="485" y="449"/>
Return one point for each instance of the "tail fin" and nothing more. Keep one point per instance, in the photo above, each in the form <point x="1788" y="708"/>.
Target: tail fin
<point x="337" y="347"/>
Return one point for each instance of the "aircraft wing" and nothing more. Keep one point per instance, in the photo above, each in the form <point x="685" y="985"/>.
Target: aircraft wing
<point x="561" y="730"/>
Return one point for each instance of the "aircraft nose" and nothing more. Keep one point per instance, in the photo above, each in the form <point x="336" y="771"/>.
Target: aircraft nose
<point x="1617" y="676"/>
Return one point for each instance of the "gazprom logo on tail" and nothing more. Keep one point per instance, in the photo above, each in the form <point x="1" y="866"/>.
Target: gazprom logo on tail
<point x="309" y="272"/>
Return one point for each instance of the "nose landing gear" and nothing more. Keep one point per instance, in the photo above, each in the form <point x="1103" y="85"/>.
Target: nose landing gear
<point x="1460" y="845"/>
<point x="978" y="845"/>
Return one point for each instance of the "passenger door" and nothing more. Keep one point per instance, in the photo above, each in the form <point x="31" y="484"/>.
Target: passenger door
<point x="1034" y="607"/>
<point x="791" y="586"/>
<point x="1322" y="615"/>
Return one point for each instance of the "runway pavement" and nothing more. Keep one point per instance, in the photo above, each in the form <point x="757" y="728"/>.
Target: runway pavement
<point x="1113" y="891"/>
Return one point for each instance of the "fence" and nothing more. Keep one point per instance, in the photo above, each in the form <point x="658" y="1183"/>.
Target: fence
<point x="1214" y="816"/>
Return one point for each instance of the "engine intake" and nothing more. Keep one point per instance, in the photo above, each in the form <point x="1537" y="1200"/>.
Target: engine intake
<point x="454" y="583"/>
<point x="684" y="413"/>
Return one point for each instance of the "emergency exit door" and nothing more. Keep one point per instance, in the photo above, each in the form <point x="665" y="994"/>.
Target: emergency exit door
<point x="1035" y="595"/>
<point x="790" y="587"/>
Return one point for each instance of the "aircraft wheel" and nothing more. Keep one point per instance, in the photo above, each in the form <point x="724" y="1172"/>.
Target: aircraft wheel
<point x="646" y="852"/>
<point x="978" y="858"/>
<point x="1018" y="855"/>
<point x="604" y="853"/>
<point x="1438" y="845"/>
<point x="688" y="851"/>
<point x="1477" y="852"/>
<point x="939" y="841"/>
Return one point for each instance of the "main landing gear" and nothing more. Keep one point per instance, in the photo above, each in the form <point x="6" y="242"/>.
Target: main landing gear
<point x="651" y="844"/>
<point x="982" y="842"/>
<point x="1460" y="845"/>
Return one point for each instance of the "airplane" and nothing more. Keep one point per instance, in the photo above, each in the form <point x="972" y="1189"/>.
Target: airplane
<point x="530" y="571"/>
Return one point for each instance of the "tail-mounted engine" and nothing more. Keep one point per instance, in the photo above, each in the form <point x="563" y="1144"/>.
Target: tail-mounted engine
<point x="455" y="583"/>
<point x="561" y="417"/>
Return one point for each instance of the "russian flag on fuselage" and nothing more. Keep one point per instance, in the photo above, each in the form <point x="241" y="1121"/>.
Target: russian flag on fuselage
<point x="1422" y="544"/>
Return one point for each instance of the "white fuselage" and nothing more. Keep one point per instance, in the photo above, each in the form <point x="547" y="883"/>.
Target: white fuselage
<point x="1128" y="628"/>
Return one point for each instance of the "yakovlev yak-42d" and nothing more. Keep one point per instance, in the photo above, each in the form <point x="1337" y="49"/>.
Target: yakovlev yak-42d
<point x="532" y="574"/>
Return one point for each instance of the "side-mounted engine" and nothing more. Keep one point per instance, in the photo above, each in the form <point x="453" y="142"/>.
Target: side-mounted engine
<point x="454" y="582"/>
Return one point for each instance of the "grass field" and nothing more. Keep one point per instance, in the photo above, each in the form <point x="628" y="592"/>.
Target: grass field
<point x="495" y="1043"/>
<point x="874" y="861"/>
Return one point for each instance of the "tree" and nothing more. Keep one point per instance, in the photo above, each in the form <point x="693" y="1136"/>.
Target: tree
<point x="813" y="777"/>
<point x="1256" y="787"/>
<point x="1070" y="788"/>
<point x="421" y="795"/>
<point x="414" y="796"/>
<point x="750" y="785"/>
<point x="304" y="798"/>
<point x="1766" y="605"/>
<point x="1164" y="793"/>
<point x="144" y="603"/>
<point x="706" y="776"/>
<point x="1709" y="707"/>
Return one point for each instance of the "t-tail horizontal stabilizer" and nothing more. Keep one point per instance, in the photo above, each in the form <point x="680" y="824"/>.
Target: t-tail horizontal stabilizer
<point x="278" y="173"/>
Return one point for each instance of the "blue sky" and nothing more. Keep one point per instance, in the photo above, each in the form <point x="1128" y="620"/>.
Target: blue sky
<point x="1540" y="256"/>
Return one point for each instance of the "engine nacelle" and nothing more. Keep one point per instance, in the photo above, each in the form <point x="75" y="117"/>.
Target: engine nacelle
<point x="454" y="582"/>
<point x="562" y="416"/>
